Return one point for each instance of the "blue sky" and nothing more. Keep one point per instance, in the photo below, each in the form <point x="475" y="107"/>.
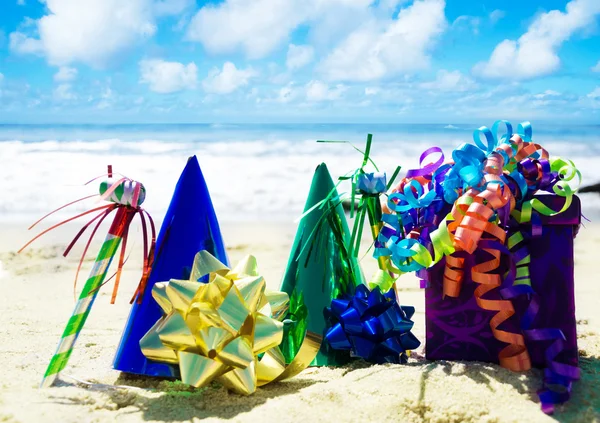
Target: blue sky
<point x="114" y="61"/>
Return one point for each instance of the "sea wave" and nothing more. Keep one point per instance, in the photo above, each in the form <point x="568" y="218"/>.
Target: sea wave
<point x="249" y="177"/>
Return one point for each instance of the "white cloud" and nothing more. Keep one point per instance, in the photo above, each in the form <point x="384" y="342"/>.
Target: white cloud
<point x="93" y="32"/>
<point x="286" y="94"/>
<point x="257" y="27"/>
<point x="381" y="48"/>
<point x="64" y="92"/>
<point x="371" y="91"/>
<point x="319" y="91"/>
<point x="496" y="15"/>
<point x="547" y="93"/>
<point x="21" y="2"/>
<point x="281" y="78"/>
<point x="596" y="68"/>
<point x="467" y="22"/>
<point x="453" y="81"/>
<point x="21" y="44"/>
<point x="535" y="52"/>
<point x="333" y="20"/>
<point x="227" y="80"/>
<point x="65" y="74"/>
<point x="299" y="56"/>
<point x="106" y="98"/>
<point x="253" y="94"/>
<point x="594" y="94"/>
<point x="167" y="77"/>
<point x="172" y="7"/>
<point x="391" y="5"/>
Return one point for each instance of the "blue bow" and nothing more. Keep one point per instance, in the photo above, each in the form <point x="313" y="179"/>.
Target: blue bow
<point x="372" y="326"/>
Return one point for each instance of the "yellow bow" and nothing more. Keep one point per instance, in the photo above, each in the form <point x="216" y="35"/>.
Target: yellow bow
<point x="217" y="330"/>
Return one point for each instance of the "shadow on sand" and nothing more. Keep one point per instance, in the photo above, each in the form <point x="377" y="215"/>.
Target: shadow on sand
<point x="584" y="405"/>
<point x="172" y="401"/>
<point x="179" y="402"/>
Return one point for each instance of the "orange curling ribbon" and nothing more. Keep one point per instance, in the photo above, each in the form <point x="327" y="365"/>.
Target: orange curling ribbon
<point x="495" y="196"/>
<point x="453" y="275"/>
<point x="514" y="356"/>
<point x="453" y="272"/>
<point x="471" y="216"/>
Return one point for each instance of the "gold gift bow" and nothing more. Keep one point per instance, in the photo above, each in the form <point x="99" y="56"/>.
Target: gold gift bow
<point x="217" y="330"/>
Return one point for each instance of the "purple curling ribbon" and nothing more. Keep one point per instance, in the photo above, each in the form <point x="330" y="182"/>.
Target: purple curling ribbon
<point x="429" y="168"/>
<point x="414" y="207"/>
<point x="558" y="377"/>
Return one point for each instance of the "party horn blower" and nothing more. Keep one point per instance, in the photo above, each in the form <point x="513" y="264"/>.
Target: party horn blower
<point x="190" y="225"/>
<point x="125" y="196"/>
<point x="321" y="268"/>
<point x="369" y="187"/>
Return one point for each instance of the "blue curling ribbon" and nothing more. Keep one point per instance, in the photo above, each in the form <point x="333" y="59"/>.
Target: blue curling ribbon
<point x="372" y="326"/>
<point x="412" y="197"/>
<point x="407" y="254"/>
<point x="491" y="135"/>
<point x="468" y="160"/>
<point x="521" y="183"/>
<point x="417" y="205"/>
<point x="407" y="239"/>
<point x="525" y="130"/>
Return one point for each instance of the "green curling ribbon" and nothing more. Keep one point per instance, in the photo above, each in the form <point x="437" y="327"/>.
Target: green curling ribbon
<point x="567" y="174"/>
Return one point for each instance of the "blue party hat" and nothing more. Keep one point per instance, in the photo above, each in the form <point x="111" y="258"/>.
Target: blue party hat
<point x="190" y="225"/>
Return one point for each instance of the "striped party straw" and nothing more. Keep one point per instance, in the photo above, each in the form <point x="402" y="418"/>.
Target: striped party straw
<point x="125" y="196"/>
<point x="88" y="295"/>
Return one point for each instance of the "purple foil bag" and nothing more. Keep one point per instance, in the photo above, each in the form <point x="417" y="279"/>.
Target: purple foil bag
<point x="457" y="329"/>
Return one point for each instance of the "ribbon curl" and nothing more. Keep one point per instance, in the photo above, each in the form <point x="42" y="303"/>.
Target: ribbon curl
<point x="558" y="377"/>
<point x="228" y="329"/>
<point x="489" y="184"/>
<point x="372" y="326"/>
<point x="123" y="194"/>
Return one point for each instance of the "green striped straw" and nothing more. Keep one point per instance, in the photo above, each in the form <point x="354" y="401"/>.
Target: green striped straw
<point x="88" y="295"/>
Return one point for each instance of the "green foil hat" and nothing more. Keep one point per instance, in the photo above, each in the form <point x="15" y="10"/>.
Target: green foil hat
<point x="320" y="268"/>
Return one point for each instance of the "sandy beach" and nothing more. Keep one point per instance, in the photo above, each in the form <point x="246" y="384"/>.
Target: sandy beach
<point x="37" y="300"/>
<point x="270" y="108"/>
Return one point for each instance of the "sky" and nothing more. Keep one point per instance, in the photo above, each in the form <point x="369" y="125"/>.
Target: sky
<point x="263" y="61"/>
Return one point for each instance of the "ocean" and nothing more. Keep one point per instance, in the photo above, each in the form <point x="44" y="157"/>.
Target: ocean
<point x="253" y="171"/>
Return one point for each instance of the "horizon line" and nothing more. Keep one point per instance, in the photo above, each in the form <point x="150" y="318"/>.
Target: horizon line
<point x="280" y="123"/>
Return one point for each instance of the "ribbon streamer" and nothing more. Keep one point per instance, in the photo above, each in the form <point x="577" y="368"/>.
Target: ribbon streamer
<point x="489" y="184"/>
<point x="126" y="197"/>
<point x="228" y="329"/>
<point x="558" y="377"/>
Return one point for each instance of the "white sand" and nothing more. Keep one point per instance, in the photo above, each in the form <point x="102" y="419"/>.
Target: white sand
<point x="37" y="299"/>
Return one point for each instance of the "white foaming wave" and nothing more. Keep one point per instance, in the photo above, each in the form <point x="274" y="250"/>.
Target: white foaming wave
<point x="570" y="149"/>
<point x="111" y="145"/>
<point x="248" y="180"/>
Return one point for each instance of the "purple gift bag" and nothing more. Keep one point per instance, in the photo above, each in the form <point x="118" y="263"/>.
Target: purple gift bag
<point x="458" y="329"/>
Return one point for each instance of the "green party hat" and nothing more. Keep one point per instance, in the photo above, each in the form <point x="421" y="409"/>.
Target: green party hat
<point x="321" y="268"/>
